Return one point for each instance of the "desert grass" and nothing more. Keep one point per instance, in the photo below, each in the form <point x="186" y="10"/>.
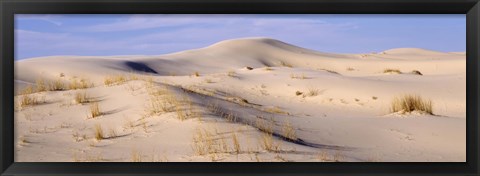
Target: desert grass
<point x="350" y="69"/>
<point x="98" y="132"/>
<point x="115" y="80"/>
<point x="312" y="92"/>
<point x="295" y="76"/>
<point x="288" y="131"/>
<point x="236" y="144"/>
<point x="82" y="84"/>
<point x="284" y="64"/>
<point x="95" y="110"/>
<point x="82" y="98"/>
<point x="268" y="68"/>
<point x="136" y="156"/>
<point x="196" y="74"/>
<point x="231" y="73"/>
<point x="208" y="80"/>
<point x="374" y="97"/>
<point x="28" y="100"/>
<point x="416" y="72"/>
<point x="268" y="143"/>
<point x="388" y="70"/>
<point x="276" y="110"/>
<point x="27" y="90"/>
<point x="40" y="85"/>
<point x="297" y="93"/>
<point x="409" y="103"/>
<point x="57" y="85"/>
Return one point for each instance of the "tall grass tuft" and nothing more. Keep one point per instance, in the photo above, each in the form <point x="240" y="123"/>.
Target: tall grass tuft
<point x="410" y="103"/>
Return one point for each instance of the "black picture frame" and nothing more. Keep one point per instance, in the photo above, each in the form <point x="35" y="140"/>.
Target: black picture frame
<point x="8" y="8"/>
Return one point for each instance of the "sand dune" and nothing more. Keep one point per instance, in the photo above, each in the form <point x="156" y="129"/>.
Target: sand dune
<point x="290" y="104"/>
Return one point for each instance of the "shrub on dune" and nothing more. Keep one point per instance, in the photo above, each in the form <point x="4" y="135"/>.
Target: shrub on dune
<point x="396" y="71"/>
<point x="410" y="103"/>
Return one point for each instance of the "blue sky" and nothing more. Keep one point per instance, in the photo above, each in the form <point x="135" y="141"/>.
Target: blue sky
<point x="88" y="35"/>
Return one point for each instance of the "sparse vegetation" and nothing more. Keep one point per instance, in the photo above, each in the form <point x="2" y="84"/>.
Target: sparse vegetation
<point x="95" y="110"/>
<point x="295" y="76"/>
<point x="208" y="80"/>
<point x="268" y="68"/>
<point x="136" y="156"/>
<point x="114" y="80"/>
<point x="196" y="74"/>
<point x="350" y="69"/>
<point x="416" y="72"/>
<point x="231" y="73"/>
<point x="374" y="97"/>
<point x="82" y="84"/>
<point x="311" y="92"/>
<point x="298" y="93"/>
<point x="288" y="131"/>
<point x="284" y="64"/>
<point x="236" y="143"/>
<point x="82" y="98"/>
<point x="99" y="135"/>
<point x="57" y="85"/>
<point x="268" y="143"/>
<point x="410" y="103"/>
<point x="395" y="71"/>
<point x="28" y="100"/>
<point x="275" y="110"/>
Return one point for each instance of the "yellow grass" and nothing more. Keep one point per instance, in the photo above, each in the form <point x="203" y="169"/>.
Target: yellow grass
<point x="410" y="103"/>
<point x="95" y="110"/>
<point x="57" y="85"/>
<point x="82" y="84"/>
<point x="231" y="73"/>
<point x="136" y="156"/>
<point x="114" y="80"/>
<point x="268" y="143"/>
<point x="99" y="135"/>
<point x="82" y="98"/>
<point x="40" y="85"/>
<point x="276" y="110"/>
<point x="288" y="131"/>
<point x="236" y="143"/>
<point x="295" y="76"/>
<point x="397" y="71"/>
<point x="27" y="100"/>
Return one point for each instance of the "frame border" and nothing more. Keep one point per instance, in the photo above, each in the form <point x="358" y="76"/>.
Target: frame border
<point x="8" y="8"/>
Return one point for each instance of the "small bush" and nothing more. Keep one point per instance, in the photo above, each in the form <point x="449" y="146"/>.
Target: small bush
<point x="28" y="100"/>
<point x="95" y="110"/>
<point x="410" y="103"/>
<point x="99" y="135"/>
<point x="416" y="72"/>
<point x="294" y="76"/>
<point x="57" y="85"/>
<point x="114" y="80"/>
<point x="396" y="71"/>
<point x="196" y="74"/>
<point x="231" y="73"/>
<point x="82" y="98"/>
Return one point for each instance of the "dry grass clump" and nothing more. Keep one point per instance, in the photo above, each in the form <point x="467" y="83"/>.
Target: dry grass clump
<point x="136" y="156"/>
<point x="204" y="143"/>
<point x="95" y="110"/>
<point x="82" y="98"/>
<point x="294" y="76"/>
<point x="350" y="69"/>
<point x="410" y="103"/>
<point x="208" y="80"/>
<point x="231" y="73"/>
<point x="268" y="68"/>
<point x="236" y="143"/>
<point x="416" y="72"/>
<point x="388" y="70"/>
<point x="276" y="110"/>
<point x="82" y="84"/>
<point x="27" y="100"/>
<point x="284" y="64"/>
<point x="268" y="143"/>
<point x="311" y="92"/>
<point x="57" y="85"/>
<point x="27" y="90"/>
<point x="40" y="85"/>
<point x="114" y="80"/>
<point x="196" y="74"/>
<point x="288" y="131"/>
<point x="98" y="132"/>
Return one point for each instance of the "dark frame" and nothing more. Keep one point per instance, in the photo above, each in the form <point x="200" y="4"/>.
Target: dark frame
<point x="10" y="7"/>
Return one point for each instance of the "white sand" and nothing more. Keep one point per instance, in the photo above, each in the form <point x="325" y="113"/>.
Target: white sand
<point x="348" y="120"/>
